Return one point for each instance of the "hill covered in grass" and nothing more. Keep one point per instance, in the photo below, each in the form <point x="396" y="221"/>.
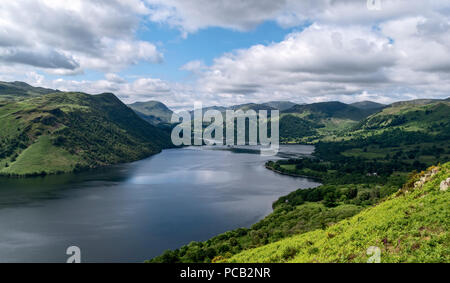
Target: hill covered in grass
<point x="154" y="112"/>
<point x="331" y="109"/>
<point x="280" y="105"/>
<point x="432" y="117"/>
<point x="428" y="119"/>
<point x="21" y="90"/>
<point x="65" y="132"/>
<point x="410" y="226"/>
<point x="314" y="122"/>
<point x="368" y="105"/>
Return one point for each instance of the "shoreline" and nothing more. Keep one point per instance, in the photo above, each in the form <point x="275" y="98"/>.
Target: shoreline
<point x="74" y="171"/>
<point x="293" y="175"/>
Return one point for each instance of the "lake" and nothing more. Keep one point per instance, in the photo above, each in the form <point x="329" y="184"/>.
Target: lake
<point x="132" y="212"/>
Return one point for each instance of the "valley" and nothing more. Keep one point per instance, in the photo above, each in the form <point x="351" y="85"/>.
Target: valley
<point x="366" y="156"/>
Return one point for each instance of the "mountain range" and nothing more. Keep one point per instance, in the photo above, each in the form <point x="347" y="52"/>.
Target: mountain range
<point x="45" y="131"/>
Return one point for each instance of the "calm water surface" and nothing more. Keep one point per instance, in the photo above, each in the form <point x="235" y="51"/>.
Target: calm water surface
<point x="132" y="212"/>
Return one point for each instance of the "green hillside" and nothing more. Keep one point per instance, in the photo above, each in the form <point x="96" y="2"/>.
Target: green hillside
<point x="410" y="226"/>
<point x="416" y="102"/>
<point x="64" y="132"/>
<point x="360" y="164"/>
<point x="21" y="90"/>
<point x="293" y="127"/>
<point x="326" y="120"/>
<point x="280" y="105"/>
<point x="368" y="105"/>
<point x="430" y="117"/>
<point x="154" y="112"/>
<point x="332" y="109"/>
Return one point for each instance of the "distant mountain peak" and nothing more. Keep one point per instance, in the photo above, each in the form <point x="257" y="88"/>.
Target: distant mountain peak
<point x="152" y="111"/>
<point x="332" y="109"/>
<point x="368" y="105"/>
<point x="17" y="90"/>
<point x="280" y="105"/>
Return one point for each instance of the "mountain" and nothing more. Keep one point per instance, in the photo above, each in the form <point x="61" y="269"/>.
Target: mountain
<point x="332" y="109"/>
<point x="65" y="132"/>
<point x="416" y="102"/>
<point x="20" y="90"/>
<point x="410" y="226"/>
<point x="293" y="127"/>
<point x="154" y="112"/>
<point x="431" y="118"/>
<point x="251" y="106"/>
<point x="367" y="105"/>
<point x="310" y="122"/>
<point x="280" y="105"/>
<point x="243" y="107"/>
<point x="221" y="109"/>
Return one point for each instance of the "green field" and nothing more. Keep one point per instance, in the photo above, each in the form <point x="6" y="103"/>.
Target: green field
<point x="42" y="156"/>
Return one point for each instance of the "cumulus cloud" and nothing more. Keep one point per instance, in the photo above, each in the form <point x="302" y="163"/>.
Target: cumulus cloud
<point x="342" y="50"/>
<point x="50" y="59"/>
<point x="67" y="37"/>
<point x="401" y="58"/>
<point x="178" y="96"/>
<point x="320" y="59"/>
<point x="193" y="15"/>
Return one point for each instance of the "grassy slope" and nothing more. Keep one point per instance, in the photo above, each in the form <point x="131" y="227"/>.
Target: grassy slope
<point x="410" y="226"/>
<point x="347" y="186"/>
<point x="20" y="90"/>
<point x="331" y="109"/>
<point x="63" y="132"/>
<point x="43" y="154"/>
<point x="153" y="112"/>
<point x="324" y="120"/>
<point x="368" y="105"/>
<point x="280" y="105"/>
<point x="285" y="221"/>
<point x="431" y="120"/>
<point x="409" y="117"/>
<point x="337" y="122"/>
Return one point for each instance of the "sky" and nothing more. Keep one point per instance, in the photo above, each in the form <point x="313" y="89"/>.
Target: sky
<point x="227" y="52"/>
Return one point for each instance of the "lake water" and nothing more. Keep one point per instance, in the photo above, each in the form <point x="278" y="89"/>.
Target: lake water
<point x="132" y="212"/>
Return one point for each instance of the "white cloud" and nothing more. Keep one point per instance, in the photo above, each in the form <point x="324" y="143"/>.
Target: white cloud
<point x="406" y="58"/>
<point x="141" y="89"/>
<point x="347" y="53"/>
<point x="319" y="60"/>
<point x="195" y="66"/>
<point x="67" y="37"/>
<point x="192" y="15"/>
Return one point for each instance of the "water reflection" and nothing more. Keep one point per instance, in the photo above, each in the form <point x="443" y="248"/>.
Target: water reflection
<point x="131" y="212"/>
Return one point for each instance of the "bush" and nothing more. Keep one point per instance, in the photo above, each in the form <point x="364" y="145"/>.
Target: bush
<point x="289" y="253"/>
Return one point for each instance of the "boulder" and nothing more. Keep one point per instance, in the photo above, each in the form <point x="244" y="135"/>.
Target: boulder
<point x="445" y="184"/>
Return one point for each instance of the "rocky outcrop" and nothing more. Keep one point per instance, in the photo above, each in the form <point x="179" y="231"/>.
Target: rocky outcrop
<point x="445" y="184"/>
<point x="425" y="177"/>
